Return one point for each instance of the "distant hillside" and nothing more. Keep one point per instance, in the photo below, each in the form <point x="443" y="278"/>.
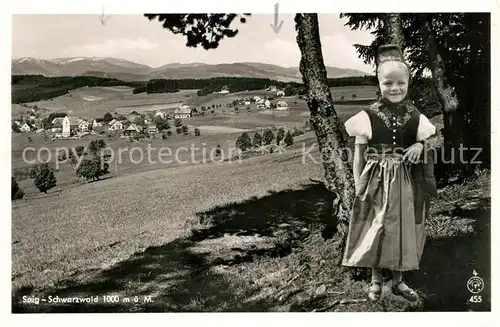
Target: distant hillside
<point x="129" y="71"/>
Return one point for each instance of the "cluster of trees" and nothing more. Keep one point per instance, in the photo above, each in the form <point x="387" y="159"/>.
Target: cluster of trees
<point x="30" y="88"/>
<point x="92" y="166"/>
<point x="92" y="160"/>
<point x="158" y="86"/>
<point x="244" y="142"/>
<point x="43" y="177"/>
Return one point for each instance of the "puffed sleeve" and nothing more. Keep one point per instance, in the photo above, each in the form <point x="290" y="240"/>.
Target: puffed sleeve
<point x="425" y="129"/>
<point x="360" y="127"/>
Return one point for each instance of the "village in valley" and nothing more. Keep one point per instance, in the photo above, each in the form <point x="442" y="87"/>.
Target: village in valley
<point x="66" y="126"/>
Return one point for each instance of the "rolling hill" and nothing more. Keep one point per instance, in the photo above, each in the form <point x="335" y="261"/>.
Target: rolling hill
<point x="130" y="71"/>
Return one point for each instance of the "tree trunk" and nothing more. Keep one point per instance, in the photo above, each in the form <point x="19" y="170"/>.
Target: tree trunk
<point x="394" y="29"/>
<point x="329" y="128"/>
<point x="436" y="64"/>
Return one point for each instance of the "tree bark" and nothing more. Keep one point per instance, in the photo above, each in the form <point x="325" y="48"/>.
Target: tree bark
<point x="328" y="127"/>
<point x="452" y="117"/>
<point x="446" y="92"/>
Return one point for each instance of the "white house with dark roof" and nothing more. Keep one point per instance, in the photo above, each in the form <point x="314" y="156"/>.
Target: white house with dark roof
<point x="70" y="124"/>
<point x="183" y="112"/>
<point x="27" y="127"/>
<point x="117" y="125"/>
<point x="57" y="122"/>
<point x="84" y="126"/>
<point x="132" y="130"/>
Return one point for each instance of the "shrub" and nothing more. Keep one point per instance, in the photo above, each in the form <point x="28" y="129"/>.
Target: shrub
<point x="45" y="179"/>
<point x="296" y="132"/>
<point x="15" y="128"/>
<point x="288" y="139"/>
<point x="177" y="122"/>
<point x="107" y="117"/>
<point x="16" y="192"/>
<point x="268" y="137"/>
<point x="280" y="135"/>
<point x="257" y="140"/>
<point x="92" y="169"/>
<point x="197" y="131"/>
<point x="243" y="142"/>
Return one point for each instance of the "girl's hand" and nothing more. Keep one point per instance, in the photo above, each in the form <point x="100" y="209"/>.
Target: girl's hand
<point x="413" y="152"/>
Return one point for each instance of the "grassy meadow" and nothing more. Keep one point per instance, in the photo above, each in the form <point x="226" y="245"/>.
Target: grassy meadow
<point x="240" y="235"/>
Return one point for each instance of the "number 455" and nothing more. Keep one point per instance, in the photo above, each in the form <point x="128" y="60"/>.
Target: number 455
<point x="475" y="299"/>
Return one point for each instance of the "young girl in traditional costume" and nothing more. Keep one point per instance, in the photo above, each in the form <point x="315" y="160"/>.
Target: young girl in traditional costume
<point x="392" y="182"/>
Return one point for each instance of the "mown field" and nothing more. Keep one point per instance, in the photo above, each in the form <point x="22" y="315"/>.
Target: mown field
<point x="249" y="235"/>
<point x="92" y="102"/>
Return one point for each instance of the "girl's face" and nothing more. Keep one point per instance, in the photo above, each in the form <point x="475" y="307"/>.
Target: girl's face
<point x="393" y="80"/>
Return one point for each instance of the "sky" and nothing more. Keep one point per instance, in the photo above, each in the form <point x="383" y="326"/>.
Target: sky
<point x="135" y="38"/>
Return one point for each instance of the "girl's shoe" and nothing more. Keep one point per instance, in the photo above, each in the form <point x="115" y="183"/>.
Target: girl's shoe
<point x="400" y="288"/>
<point x="375" y="290"/>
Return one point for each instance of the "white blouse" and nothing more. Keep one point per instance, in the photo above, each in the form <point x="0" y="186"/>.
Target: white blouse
<point x="360" y="127"/>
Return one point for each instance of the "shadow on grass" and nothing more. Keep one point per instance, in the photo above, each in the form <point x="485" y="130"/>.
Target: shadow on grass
<point x="449" y="262"/>
<point x="179" y="280"/>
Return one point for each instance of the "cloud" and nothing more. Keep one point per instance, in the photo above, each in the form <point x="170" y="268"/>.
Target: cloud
<point x="111" y="47"/>
<point x="339" y="51"/>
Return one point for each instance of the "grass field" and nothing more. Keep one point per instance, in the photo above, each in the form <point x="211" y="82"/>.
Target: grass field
<point x="249" y="235"/>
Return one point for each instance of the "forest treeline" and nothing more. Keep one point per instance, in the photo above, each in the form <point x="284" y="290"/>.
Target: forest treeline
<point x="30" y="88"/>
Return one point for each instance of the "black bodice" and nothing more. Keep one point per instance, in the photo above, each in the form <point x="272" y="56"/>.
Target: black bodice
<point x="386" y="130"/>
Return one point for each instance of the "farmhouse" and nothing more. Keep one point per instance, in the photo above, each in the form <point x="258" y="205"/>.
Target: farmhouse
<point x="112" y="122"/>
<point x="70" y="125"/>
<point x="57" y="122"/>
<point x="17" y="122"/>
<point x="117" y="125"/>
<point x="267" y="104"/>
<point x="27" y="127"/>
<point x="183" y="112"/>
<point x="280" y="93"/>
<point x="98" y="122"/>
<point x="84" y="126"/>
<point x="281" y="105"/>
<point x="271" y="88"/>
<point x="256" y="98"/>
<point x="132" y="130"/>
<point x="223" y="90"/>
